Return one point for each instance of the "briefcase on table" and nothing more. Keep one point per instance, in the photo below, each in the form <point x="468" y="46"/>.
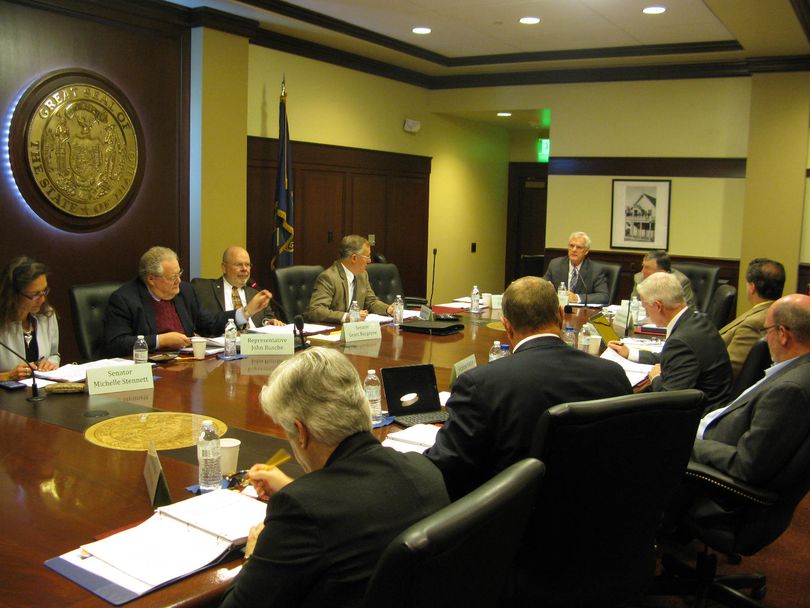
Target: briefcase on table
<point x="435" y="328"/>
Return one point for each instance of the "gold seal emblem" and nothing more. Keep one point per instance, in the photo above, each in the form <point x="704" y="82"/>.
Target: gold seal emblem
<point x="82" y="150"/>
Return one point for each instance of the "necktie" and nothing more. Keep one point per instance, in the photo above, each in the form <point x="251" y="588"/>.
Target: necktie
<point x="237" y="301"/>
<point x="351" y="294"/>
<point x="573" y="282"/>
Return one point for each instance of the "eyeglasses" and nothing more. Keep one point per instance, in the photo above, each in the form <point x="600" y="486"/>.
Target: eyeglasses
<point x="764" y="331"/>
<point x="36" y="296"/>
<point x="367" y="258"/>
<point x="172" y="277"/>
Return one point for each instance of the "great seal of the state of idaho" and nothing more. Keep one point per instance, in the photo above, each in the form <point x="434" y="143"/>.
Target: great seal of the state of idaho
<point x="82" y="149"/>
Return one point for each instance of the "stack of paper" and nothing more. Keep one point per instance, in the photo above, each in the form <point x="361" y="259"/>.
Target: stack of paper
<point x="73" y="372"/>
<point x="416" y="438"/>
<point x="636" y="372"/>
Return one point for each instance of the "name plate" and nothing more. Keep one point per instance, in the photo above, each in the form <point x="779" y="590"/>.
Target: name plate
<point x="119" y="378"/>
<point x="267" y="344"/>
<point x="496" y="301"/>
<point x="467" y="363"/>
<point x="362" y="330"/>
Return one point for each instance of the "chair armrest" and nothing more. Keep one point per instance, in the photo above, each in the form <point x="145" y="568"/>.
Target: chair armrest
<point x="411" y="301"/>
<point x="728" y="485"/>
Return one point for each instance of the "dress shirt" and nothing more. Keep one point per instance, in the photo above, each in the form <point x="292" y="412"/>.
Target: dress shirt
<point x="532" y="337"/>
<point x="229" y="300"/>
<point x="633" y="355"/>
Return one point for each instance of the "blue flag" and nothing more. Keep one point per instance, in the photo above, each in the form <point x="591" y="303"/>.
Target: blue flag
<point x="284" y="234"/>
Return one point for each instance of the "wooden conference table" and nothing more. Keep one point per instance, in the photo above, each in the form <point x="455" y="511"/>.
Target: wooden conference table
<point x="58" y="491"/>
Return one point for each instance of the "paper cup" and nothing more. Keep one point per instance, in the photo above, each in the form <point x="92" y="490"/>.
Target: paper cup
<point x="486" y="300"/>
<point x="198" y="344"/>
<point x="229" y="455"/>
<point x="595" y="343"/>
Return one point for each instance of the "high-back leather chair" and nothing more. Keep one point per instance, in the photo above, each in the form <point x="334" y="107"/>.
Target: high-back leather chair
<point x="611" y="272"/>
<point x="463" y="554"/>
<point x="612" y="466"/>
<point x="753" y="368"/>
<point x="88" y="303"/>
<point x="704" y="281"/>
<point x="723" y="300"/>
<point x="387" y="284"/>
<point x="292" y="288"/>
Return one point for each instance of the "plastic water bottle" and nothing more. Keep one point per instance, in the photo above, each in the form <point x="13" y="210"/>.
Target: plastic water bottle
<point x="230" y="339"/>
<point x="208" y="453"/>
<point x="140" y="351"/>
<point x="495" y="351"/>
<point x="583" y="339"/>
<point x="505" y="352"/>
<point x="373" y="390"/>
<point x="475" y="299"/>
<point x="399" y="309"/>
<point x="569" y="337"/>
<point x="562" y="295"/>
<point x="354" y="312"/>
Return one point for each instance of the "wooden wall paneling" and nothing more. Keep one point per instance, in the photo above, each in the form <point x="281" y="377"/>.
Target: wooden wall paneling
<point x="366" y="209"/>
<point x="261" y="195"/>
<point x="320" y="199"/>
<point x="407" y="230"/>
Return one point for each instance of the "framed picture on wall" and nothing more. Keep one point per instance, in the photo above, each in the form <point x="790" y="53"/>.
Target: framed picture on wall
<point x="640" y="214"/>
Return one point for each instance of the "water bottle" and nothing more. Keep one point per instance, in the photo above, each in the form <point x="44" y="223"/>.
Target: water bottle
<point x="475" y="299"/>
<point x="399" y="309"/>
<point x="634" y="306"/>
<point x="569" y="337"/>
<point x="562" y="295"/>
<point x="373" y="390"/>
<point x="208" y="453"/>
<point x="583" y="339"/>
<point x="495" y="351"/>
<point x="140" y="352"/>
<point x="354" y="312"/>
<point x="505" y="352"/>
<point x="230" y="339"/>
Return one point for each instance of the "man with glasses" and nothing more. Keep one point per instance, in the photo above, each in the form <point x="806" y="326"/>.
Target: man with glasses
<point x="583" y="279"/>
<point x="159" y="306"/>
<point x="231" y="291"/>
<point x="342" y="283"/>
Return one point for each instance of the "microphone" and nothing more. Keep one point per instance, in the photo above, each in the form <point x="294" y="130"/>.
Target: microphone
<point x="299" y="327"/>
<point x="35" y="396"/>
<point x="279" y="311"/>
<point x="433" y="277"/>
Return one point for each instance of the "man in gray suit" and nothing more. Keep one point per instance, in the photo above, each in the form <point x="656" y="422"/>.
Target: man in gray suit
<point x="231" y="291"/>
<point x="659" y="261"/>
<point x="583" y="279"/>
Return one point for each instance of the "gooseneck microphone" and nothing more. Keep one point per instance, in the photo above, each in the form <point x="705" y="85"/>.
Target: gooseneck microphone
<point x="35" y="396"/>
<point x="433" y="278"/>
<point x="299" y="327"/>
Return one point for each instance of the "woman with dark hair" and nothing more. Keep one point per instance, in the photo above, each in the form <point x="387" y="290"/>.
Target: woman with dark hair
<point x="28" y="323"/>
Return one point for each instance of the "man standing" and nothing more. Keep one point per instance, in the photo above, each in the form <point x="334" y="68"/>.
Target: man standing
<point x="658" y="261"/>
<point x="159" y="306"/>
<point x="584" y="279"/>
<point x="344" y="282"/>
<point x="764" y="282"/>
<point x="231" y="291"/>
<point x="494" y="408"/>
<point x="693" y="356"/>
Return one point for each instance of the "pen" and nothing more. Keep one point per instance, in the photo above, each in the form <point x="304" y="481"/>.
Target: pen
<point x="277" y="459"/>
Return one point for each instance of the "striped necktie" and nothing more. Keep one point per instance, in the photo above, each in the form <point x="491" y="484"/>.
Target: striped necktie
<point x="573" y="282"/>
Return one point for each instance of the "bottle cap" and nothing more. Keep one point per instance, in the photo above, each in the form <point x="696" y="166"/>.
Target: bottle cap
<point x="496" y="343"/>
<point x="140" y="337"/>
<point x="372" y="371"/>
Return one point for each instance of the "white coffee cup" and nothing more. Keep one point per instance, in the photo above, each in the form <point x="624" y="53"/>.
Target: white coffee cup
<point x="486" y="300"/>
<point x="229" y="455"/>
<point x="198" y="344"/>
<point x="594" y="344"/>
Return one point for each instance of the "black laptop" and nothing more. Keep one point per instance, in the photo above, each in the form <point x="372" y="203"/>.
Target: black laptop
<point x="412" y="394"/>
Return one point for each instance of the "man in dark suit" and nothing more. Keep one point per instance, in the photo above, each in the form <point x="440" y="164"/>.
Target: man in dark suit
<point x="754" y="438"/>
<point x="326" y="530"/>
<point x="494" y="408"/>
<point x="163" y="309"/>
<point x="231" y="291"/>
<point x="693" y="355"/>
<point x="584" y="279"/>
<point x="342" y="283"/>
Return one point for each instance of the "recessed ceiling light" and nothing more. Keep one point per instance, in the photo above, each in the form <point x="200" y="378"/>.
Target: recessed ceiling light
<point x="421" y="30"/>
<point x="530" y="20"/>
<point x="504" y="113"/>
<point x="654" y="10"/>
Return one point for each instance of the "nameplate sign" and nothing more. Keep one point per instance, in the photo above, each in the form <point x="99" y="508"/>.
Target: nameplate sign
<point x="267" y="344"/>
<point x="119" y="378"/>
<point x="258" y="366"/>
<point x="467" y="363"/>
<point x="496" y="301"/>
<point x="362" y="330"/>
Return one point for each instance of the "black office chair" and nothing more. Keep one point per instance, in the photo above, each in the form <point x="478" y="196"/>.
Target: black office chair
<point x="463" y="554"/>
<point x="723" y="301"/>
<point x="612" y="466"/>
<point x="611" y="272"/>
<point x="753" y="368"/>
<point x="704" y="281"/>
<point x="292" y="289"/>
<point x="88" y="303"/>
<point x="387" y="284"/>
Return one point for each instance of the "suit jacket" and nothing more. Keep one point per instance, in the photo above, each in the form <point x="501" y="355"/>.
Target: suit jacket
<point x="686" y="285"/>
<point x="592" y="283"/>
<point x="494" y="408"/>
<point x="325" y="531"/>
<point x="130" y="312"/>
<point x="742" y="333"/>
<point x="756" y="439"/>
<point x="693" y="356"/>
<point x="211" y="296"/>
<point x="328" y="301"/>
<point x="47" y="341"/>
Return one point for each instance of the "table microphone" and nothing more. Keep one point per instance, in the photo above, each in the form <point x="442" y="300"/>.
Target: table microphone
<point x="299" y="327"/>
<point x="433" y="277"/>
<point x="35" y="396"/>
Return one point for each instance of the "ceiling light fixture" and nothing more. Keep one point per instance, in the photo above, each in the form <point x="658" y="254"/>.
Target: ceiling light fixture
<point x="421" y="30"/>
<point x="654" y="10"/>
<point x="506" y="114"/>
<point x="530" y="20"/>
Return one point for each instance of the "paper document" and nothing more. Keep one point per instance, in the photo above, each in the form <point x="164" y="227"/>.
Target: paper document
<point x="410" y="314"/>
<point x="73" y="372"/>
<point x="459" y="305"/>
<point x="416" y="438"/>
<point x="331" y="337"/>
<point x="635" y="372"/>
<point x="654" y="346"/>
<point x="309" y="328"/>
<point x="378" y="318"/>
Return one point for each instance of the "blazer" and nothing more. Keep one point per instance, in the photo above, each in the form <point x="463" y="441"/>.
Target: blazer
<point x="331" y="292"/>
<point x="47" y="341"/>
<point x="742" y="333"/>
<point x="325" y="532"/>
<point x="130" y="312"/>
<point x="592" y="283"/>
<point x="757" y="437"/>
<point x="494" y="408"/>
<point x="686" y="285"/>
<point x="693" y="356"/>
<point x="211" y="296"/>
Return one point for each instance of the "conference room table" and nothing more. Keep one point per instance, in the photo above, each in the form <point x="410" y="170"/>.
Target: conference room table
<point x="58" y="490"/>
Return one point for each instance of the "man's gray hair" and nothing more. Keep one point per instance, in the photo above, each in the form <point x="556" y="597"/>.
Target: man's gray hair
<point x="352" y="244"/>
<point x="322" y="389"/>
<point x="581" y="235"/>
<point x="664" y="287"/>
<point x="152" y="262"/>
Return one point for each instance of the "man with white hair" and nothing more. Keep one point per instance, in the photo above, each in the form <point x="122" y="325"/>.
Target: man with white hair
<point x="325" y="531"/>
<point x="583" y="279"/>
<point x="694" y="355"/>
